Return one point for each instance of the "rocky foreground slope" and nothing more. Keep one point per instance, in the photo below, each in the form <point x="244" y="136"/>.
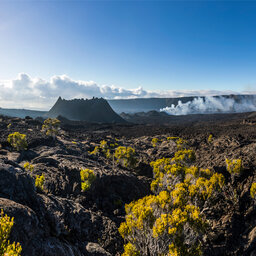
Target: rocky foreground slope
<point x="63" y="220"/>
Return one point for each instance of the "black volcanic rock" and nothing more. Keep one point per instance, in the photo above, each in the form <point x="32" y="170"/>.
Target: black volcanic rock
<point x="94" y="110"/>
<point x="62" y="220"/>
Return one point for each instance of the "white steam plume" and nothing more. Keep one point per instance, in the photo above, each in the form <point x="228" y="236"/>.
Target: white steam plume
<point x="212" y="105"/>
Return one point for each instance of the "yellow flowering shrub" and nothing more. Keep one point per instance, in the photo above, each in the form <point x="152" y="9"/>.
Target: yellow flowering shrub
<point x="87" y="178"/>
<point x="51" y="127"/>
<point x="105" y="148"/>
<point x="18" y="141"/>
<point x="210" y="138"/>
<point x="156" y="220"/>
<point x="104" y="145"/>
<point x="172" y="138"/>
<point x="234" y="166"/>
<point x="96" y="151"/>
<point x="7" y="248"/>
<point x="154" y="142"/>
<point x="28" y="167"/>
<point x="39" y="182"/>
<point x="253" y="190"/>
<point x="126" y="156"/>
<point x="163" y="224"/>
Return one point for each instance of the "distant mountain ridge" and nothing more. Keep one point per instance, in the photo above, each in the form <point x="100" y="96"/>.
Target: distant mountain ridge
<point x="118" y="106"/>
<point x="21" y="113"/>
<point x="150" y="104"/>
<point x="96" y="110"/>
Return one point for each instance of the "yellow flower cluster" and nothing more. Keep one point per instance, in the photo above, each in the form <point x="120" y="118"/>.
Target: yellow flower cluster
<point x="103" y="145"/>
<point x="51" y="127"/>
<point x="204" y="188"/>
<point x="173" y="223"/>
<point x="126" y="156"/>
<point x="39" y="182"/>
<point x="234" y="166"/>
<point x="28" y="167"/>
<point x="7" y="249"/>
<point x="18" y="141"/>
<point x="130" y="250"/>
<point x="253" y="190"/>
<point x="87" y="178"/>
<point x="210" y="138"/>
<point x="162" y="169"/>
<point x="105" y="148"/>
<point x="154" y="142"/>
<point x="172" y="138"/>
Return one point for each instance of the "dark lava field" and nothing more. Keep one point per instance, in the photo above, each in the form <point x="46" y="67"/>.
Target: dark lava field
<point x="62" y="220"/>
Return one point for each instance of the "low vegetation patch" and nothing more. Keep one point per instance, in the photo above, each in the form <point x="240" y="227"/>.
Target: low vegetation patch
<point x="7" y="248"/>
<point x="39" y="182"/>
<point x="87" y="178"/>
<point x="18" y="141"/>
<point x="29" y="167"/>
<point x="234" y="166"/>
<point x="126" y="156"/>
<point x="51" y="127"/>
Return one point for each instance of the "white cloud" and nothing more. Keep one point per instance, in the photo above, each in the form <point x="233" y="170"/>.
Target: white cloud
<point x="36" y="93"/>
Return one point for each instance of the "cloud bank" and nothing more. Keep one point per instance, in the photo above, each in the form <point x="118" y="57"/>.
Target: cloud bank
<point x="36" y="93"/>
<point x="212" y="105"/>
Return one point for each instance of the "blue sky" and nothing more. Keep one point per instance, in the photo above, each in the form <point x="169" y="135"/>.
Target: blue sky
<point x="159" y="45"/>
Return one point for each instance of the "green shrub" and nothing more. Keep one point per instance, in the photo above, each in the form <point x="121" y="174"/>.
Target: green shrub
<point x="6" y="248"/>
<point x="18" y="141"/>
<point x="126" y="156"/>
<point x="28" y="167"/>
<point x="87" y="178"/>
<point x="51" y="127"/>
<point x="39" y="182"/>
